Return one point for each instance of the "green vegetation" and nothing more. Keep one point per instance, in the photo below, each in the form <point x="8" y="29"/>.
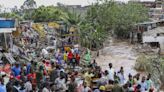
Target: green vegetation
<point x="118" y="17"/>
<point x="48" y="14"/>
<point x="11" y="15"/>
<point x="101" y="20"/>
<point x="153" y="65"/>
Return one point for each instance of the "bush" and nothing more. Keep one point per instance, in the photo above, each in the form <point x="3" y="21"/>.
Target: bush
<point x="141" y="63"/>
<point x="153" y="65"/>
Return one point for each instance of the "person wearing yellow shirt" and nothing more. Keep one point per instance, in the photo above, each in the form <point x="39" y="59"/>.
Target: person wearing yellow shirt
<point x="65" y="56"/>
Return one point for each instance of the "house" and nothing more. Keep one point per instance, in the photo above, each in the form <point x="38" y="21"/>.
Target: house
<point x="136" y="34"/>
<point x="7" y="26"/>
<point x="155" y="8"/>
<point x="152" y="33"/>
<point x="155" y="37"/>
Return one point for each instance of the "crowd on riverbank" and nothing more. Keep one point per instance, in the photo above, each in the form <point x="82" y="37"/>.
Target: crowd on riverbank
<point x="67" y="74"/>
<point x="64" y="70"/>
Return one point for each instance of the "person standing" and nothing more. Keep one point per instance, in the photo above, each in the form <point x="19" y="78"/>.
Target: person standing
<point x="117" y="87"/>
<point x="88" y="57"/>
<point x="28" y="86"/>
<point x="72" y="86"/>
<point x="65" y="56"/>
<point x="16" y="70"/>
<point x="111" y="72"/>
<point x="149" y="82"/>
<point x="70" y="57"/>
<point x="85" y="88"/>
<point x="121" y="76"/>
<point x="77" y="59"/>
<point x="2" y="86"/>
<point x="143" y="84"/>
<point x="45" y="87"/>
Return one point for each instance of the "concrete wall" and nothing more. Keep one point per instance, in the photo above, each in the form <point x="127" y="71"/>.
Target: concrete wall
<point x="160" y="39"/>
<point x="153" y="39"/>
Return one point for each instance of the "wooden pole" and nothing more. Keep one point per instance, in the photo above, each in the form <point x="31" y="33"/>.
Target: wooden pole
<point x="5" y="41"/>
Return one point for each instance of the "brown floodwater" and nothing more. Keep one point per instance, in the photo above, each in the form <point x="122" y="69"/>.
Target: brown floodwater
<point x="119" y="54"/>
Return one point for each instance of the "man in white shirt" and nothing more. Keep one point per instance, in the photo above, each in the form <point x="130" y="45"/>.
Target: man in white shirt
<point x="44" y="53"/>
<point x="121" y="76"/>
<point x="143" y="85"/>
<point x="85" y="88"/>
<point x="111" y="72"/>
<point x="28" y="86"/>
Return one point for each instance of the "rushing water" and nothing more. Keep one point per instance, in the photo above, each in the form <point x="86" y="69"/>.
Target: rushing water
<point x="120" y="54"/>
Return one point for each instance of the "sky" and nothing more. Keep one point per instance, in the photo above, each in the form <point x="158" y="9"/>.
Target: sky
<point x="12" y="3"/>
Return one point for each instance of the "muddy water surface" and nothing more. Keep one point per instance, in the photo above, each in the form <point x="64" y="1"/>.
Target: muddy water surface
<point x="120" y="54"/>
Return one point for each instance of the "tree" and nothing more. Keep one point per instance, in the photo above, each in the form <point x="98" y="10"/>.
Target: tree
<point x="152" y="65"/>
<point x="27" y="8"/>
<point x="119" y="17"/>
<point x="11" y="15"/>
<point x="48" y="14"/>
<point x="29" y="4"/>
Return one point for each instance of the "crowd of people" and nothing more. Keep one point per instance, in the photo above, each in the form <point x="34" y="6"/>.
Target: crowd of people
<point x="62" y="76"/>
<point x="67" y="72"/>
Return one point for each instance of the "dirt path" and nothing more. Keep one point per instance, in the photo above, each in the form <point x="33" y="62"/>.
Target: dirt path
<point x="120" y="54"/>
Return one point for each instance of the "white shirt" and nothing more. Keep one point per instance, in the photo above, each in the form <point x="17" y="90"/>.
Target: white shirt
<point x="45" y="90"/>
<point x="54" y="42"/>
<point x="60" y="83"/>
<point x="72" y="50"/>
<point x="28" y="86"/>
<point x="111" y="74"/>
<point x="143" y="86"/>
<point x="44" y="52"/>
<point x="122" y="78"/>
<point x="85" y="89"/>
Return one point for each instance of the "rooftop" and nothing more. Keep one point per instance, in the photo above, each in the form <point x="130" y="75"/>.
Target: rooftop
<point x="155" y="31"/>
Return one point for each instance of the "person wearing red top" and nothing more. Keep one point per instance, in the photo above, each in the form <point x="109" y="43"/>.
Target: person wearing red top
<point x="70" y="56"/>
<point x="77" y="59"/>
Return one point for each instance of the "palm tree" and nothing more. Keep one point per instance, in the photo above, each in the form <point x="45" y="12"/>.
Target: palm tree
<point x="29" y="4"/>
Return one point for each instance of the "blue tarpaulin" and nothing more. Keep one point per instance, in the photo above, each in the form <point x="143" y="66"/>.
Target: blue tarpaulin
<point x="7" y="23"/>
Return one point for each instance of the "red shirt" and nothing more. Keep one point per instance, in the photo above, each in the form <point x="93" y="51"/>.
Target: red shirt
<point x="70" y="55"/>
<point x="31" y="76"/>
<point x="77" y="57"/>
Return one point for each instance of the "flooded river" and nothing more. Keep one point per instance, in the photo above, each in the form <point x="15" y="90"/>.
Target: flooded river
<point x="120" y="54"/>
